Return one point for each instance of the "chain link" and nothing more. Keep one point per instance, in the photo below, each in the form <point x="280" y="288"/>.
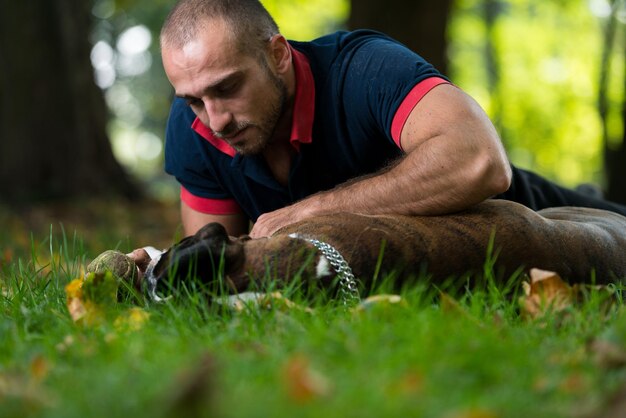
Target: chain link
<point x="347" y="282"/>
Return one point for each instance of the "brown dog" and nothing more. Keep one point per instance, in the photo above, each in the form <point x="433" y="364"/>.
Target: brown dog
<point x="574" y="242"/>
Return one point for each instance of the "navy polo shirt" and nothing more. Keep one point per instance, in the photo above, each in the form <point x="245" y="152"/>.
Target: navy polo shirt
<point x="354" y="92"/>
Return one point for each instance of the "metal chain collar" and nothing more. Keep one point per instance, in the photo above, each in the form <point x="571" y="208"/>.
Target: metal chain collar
<point x="347" y="282"/>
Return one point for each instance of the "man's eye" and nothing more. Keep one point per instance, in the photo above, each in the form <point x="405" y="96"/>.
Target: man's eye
<point x="227" y="89"/>
<point x="194" y="102"/>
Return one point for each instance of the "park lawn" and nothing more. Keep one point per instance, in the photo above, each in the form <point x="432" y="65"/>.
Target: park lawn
<point x="433" y="356"/>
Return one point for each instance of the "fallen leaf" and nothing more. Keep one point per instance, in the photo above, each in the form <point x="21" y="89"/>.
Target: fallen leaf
<point x="74" y="289"/>
<point x="6" y="257"/>
<point x="473" y="413"/>
<point x="449" y="305"/>
<point x="574" y="383"/>
<point x="76" y="309"/>
<point x="133" y="319"/>
<point x="615" y="407"/>
<point x="65" y="344"/>
<point x="25" y="392"/>
<point x="302" y="382"/>
<point x="242" y="302"/>
<point x="546" y="293"/>
<point x="411" y="383"/>
<point x="607" y="350"/>
<point x="89" y="296"/>
<point x="100" y="288"/>
<point x="194" y="391"/>
<point x="39" y="368"/>
<point x="383" y="302"/>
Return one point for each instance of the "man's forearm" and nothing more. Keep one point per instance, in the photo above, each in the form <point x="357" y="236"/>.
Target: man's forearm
<point x="418" y="185"/>
<point x="424" y="182"/>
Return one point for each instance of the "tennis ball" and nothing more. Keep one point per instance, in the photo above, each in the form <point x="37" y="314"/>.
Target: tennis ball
<point x="118" y="263"/>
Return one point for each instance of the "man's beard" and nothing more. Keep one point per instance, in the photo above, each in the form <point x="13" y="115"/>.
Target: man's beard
<point x="256" y="144"/>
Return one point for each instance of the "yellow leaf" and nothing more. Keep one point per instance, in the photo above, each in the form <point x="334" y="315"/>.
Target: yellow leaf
<point x="132" y="320"/>
<point x="101" y="288"/>
<point x="94" y="314"/>
<point x="74" y="289"/>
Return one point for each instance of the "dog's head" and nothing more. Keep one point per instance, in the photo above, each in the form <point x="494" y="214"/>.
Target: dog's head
<point x="200" y="256"/>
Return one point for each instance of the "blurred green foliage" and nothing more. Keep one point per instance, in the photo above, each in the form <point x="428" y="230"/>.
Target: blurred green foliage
<point x="542" y="89"/>
<point x="534" y="67"/>
<point x="308" y="19"/>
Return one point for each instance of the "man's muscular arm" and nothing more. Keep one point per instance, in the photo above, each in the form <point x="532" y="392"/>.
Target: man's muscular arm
<point x="236" y="224"/>
<point x="454" y="159"/>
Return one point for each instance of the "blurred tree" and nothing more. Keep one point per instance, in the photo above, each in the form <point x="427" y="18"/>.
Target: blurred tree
<point x="419" y="24"/>
<point x="613" y="142"/>
<point x="53" y="142"/>
<point x="491" y="10"/>
<point x="543" y="100"/>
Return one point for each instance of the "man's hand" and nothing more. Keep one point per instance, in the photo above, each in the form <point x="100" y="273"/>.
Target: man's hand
<point x="270" y="222"/>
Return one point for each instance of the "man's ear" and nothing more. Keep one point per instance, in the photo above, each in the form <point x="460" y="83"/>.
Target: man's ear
<point x="280" y="53"/>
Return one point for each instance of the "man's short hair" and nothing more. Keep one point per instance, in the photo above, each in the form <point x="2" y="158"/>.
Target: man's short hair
<point x="251" y="24"/>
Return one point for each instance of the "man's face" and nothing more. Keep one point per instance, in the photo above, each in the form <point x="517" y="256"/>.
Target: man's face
<point x="236" y="95"/>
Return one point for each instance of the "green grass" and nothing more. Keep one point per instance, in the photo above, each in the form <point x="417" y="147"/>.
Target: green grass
<point x="477" y="358"/>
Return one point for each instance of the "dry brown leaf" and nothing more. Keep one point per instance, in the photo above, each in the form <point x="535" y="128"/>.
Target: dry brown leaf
<point x="26" y="392"/>
<point x="76" y="309"/>
<point x="302" y="382"/>
<point x="449" y="305"/>
<point x="575" y="383"/>
<point x="545" y="293"/>
<point x="615" y="407"/>
<point x="411" y="383"/>
<point x="193" y="392"/>
<point x="473" y="413"/>
<point x="607" y="354"/>
<point x="6" y="257"/>
<point x="39" y="368"/>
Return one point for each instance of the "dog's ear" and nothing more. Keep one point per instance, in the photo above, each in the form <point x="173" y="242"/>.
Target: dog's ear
<point x="200" y="255"/>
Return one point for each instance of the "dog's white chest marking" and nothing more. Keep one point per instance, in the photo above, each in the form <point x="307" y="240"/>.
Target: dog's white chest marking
<point x="347" y="282"/>
<point x="323" y="268"/>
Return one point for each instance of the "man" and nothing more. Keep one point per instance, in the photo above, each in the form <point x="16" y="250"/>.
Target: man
<point x="273" y="132"/>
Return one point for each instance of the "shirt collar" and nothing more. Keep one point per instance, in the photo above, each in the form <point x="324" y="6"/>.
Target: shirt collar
<point x="304" y="103"/>
<point x="303" y="109"/>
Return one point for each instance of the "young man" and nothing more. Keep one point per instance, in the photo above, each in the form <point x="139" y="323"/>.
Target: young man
<point x="271" y="131"/>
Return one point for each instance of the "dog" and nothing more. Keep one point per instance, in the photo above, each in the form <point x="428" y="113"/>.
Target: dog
<point x="580" y="244"/>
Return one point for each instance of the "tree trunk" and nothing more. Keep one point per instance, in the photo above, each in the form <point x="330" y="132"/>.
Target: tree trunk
<point x="615" y="163"/>
<point x="614" y="157"/>
<point x="419" y="24"/>
<point x="491" y="12"/>
<point x="53" y="142"/>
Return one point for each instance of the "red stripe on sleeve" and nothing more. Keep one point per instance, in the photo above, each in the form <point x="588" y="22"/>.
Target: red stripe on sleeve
<point x="209" y="206"/>
<point x="410" y="101"/>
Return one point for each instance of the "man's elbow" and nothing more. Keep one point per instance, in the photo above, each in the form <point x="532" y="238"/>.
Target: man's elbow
<point x="498" y="176"/>
<point x="492" y="174"/>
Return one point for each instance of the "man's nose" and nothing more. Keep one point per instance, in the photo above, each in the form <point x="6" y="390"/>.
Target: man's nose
<point x="218" y="116"/>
